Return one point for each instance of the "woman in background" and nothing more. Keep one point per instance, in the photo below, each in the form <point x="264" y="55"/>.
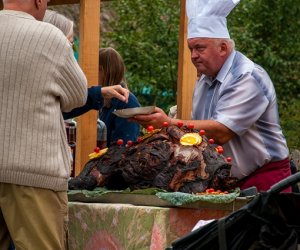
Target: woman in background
<point x="112" y="72"/>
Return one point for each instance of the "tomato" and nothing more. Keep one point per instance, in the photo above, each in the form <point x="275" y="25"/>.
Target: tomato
<point x="202" y="132"/>
<point x="191" y="126"/>
<point x="150" y="128"/>
<point x="129" y="143"/>
<point x="180" y="124"/>
<point x="120" y="142"/>
<point x="220" y="150"/>
<point x="165" y="124"/>
<point x="210" y="190"/>
<point x="97" y="150"/>
<point x="211" y="141"/>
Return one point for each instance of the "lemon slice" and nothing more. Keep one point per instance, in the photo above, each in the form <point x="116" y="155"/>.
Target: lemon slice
<point x="97" y="155"/>
<point x="190" y="139"/>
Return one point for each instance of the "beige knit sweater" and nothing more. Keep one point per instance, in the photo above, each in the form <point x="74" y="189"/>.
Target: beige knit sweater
<point x="39" y="78"/>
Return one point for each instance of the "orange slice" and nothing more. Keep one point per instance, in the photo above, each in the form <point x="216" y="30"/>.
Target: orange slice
<point x="190" y="139"/>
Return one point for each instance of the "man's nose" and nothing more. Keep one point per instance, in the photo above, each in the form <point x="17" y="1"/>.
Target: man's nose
<point x="194" y="53"/>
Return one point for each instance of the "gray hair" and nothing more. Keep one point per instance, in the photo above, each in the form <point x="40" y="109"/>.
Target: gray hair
<point x="60" y="21"/>
<point x="230" y="42"/>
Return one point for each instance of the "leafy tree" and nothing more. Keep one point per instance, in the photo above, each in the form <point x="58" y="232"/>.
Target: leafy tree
<point x="145" y="32"/>
<point x="268" y="32"/>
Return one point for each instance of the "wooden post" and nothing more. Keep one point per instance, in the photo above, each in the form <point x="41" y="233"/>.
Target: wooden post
<point x="187" y="73"/>
<point x="88" y="59"/>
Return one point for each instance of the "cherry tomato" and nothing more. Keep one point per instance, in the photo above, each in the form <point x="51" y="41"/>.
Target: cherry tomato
<point x="150" y="128"/>
<point x="120" y="142"/>
<point x="180" y="124"/>
<point x="220" y="150"/>
<point x="211" y="141"/>
<point x="229" y="159"/>
<point x="139" y="139"/>
<point x="97" y="150"/>
<point x="202" y="132"/>
<point x="210" y="190"/>
<point x="191" y="126"/>
<point x="165" y="124"/>
<point x="129" y="143"/>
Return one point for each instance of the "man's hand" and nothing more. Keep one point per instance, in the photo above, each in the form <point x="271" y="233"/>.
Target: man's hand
<point x="115" y="91"/>
<point x="156" y="119"/>
<point x="219" y="132"/>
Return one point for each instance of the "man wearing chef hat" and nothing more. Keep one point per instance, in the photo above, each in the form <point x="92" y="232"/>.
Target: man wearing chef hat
<point x="234" y="100"/>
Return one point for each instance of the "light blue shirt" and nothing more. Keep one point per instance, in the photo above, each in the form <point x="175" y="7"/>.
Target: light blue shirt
<point x="243" y="98"/>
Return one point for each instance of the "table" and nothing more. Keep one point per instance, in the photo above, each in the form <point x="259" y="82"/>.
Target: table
<point x="115" y="226"/>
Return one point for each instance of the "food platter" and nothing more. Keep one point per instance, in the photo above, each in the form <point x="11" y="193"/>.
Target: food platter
<point x="130" y="112"/>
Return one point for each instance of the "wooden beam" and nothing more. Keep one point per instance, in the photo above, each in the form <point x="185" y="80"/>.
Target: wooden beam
<point x="56" y="2"/>
<point x="52" y="2"/>
<point x="89" y="35"/>
<point x="61" y="2"/>
<point x="187" y="73"/>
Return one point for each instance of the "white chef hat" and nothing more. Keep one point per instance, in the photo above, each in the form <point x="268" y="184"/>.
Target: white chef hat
<point x="207" y="18"/>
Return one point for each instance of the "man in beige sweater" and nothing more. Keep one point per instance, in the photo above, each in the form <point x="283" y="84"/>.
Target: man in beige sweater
<point x="39" y="78"/>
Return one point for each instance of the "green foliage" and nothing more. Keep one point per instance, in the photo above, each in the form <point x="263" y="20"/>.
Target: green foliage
<point x="268" y="32"/>
<point x="145" y="32"/>
<point x="290" y="120"/>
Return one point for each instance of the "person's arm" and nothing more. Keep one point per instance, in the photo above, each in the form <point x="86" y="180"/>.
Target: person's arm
<point x="220" y="133"/>
<point x="94" y="101"/>
<point x="71" y="81"/>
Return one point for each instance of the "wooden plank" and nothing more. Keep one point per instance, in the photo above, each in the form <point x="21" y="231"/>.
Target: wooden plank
<point x="57" y="2"/>
<point x="53" y="2"/>
<point x="89" y="36"/>
<point x="187" y="73"/>
<point x="61" y="2"/>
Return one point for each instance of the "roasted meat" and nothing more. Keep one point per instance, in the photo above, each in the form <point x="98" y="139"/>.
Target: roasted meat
<point x="161" y="161"/>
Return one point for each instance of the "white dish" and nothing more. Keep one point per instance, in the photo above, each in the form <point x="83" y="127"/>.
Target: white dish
<point x="130" y="112"/>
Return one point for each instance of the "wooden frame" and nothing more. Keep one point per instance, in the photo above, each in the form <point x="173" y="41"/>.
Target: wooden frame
<point x="187" y="73"/>
<point x="89" y="36"/>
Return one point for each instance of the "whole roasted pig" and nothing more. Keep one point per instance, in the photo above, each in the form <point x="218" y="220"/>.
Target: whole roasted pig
<point x="159" y="160"/>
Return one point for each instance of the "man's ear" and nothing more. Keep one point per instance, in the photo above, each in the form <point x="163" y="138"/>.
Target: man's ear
<point x="38" y="3"/>
<point x="223" y="48"/>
